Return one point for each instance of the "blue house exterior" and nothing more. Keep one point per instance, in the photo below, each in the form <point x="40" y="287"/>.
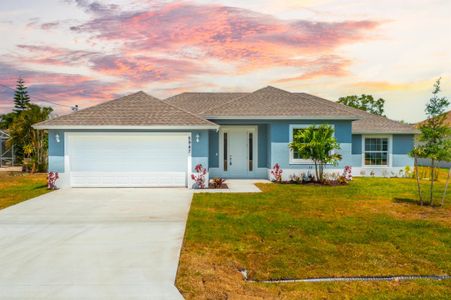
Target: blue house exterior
<point x="227" y="145"/>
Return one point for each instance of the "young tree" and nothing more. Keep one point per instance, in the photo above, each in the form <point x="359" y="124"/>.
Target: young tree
<point x="434" y="140"/>
<point x="21" y="98"/>
<point x="318" y="144"/>
<point x="364" y="102"/>
<point x="30" y="141"/>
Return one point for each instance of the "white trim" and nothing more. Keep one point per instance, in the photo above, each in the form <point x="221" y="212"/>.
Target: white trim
<point x="297" y="161"/>
<point x="247" y="128"/>
<point x="294" y="117"/>
<point x="67" y="136"/>
<point x="130" y="127"/>
<point x="389" y="150"/>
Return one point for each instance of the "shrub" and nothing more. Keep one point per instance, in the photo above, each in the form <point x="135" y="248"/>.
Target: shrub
<point x="217" y="182"/>
<point x="408" y="172"/>
<point x="296" y="179"/>
<point x="276" y="172"/>
<point x="347" y="173"/>
<point x="51" y="180"/>
<point x="199" y="178"/>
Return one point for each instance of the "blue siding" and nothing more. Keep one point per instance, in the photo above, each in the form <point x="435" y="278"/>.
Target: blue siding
<point x="402" y="143"/>
<point x="279" y="135"/>
<point x="56" y="151"/>
<point x="356" y="144"/>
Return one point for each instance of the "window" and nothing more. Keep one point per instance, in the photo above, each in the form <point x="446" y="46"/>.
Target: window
<point x="294" y="155"/>
<point x="376" y="151"/>
<point x="225" y="151"/>
<point x="251" y="151"/>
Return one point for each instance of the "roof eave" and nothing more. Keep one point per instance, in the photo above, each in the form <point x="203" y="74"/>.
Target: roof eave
<point x="385" y="132"/>
<point x="227" y="117"/>
<point x="126" y="127"/>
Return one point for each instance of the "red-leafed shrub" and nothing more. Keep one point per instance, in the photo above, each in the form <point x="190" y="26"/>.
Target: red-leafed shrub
<point x="199" y="178"/>
<point x="217" y="182"/>
<point x="347" y="173"/>
<point x="51" y="180"/>
<point x="276" y="172"/>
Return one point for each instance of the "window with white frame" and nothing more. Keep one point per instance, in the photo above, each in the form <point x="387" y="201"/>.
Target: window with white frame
<point x="376" y="151"/>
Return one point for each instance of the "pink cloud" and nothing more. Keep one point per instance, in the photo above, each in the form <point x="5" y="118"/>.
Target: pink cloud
<point x="65" y="89"/>
<point x="53" y="56"/>
<point x="226" y="33"/>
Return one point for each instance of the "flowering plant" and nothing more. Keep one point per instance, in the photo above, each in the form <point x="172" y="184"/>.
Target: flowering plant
<point x="51" y="180"/>
<point x="347" y="173"/>
<point x="276" y="172"/>
<point x="199" y="178"/>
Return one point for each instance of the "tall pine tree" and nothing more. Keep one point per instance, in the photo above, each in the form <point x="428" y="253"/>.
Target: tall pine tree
<point x="21" y="98"/>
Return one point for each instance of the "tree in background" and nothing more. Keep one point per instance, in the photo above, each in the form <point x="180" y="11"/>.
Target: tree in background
<point x="21" y="98"/>
<point x="364" y="102"/>
<point x="434" y="140"/>
<point x="318" y="144"/>
<point x="32" y="143"/>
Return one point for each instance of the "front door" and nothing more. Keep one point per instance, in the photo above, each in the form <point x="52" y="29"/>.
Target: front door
<point x="238" y="151"/>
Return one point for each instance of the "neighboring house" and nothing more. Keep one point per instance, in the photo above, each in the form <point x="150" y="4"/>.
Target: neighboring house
<point x="427" y="162"/>
<point x="6" y="153"/>
<point x="138" y="140"/>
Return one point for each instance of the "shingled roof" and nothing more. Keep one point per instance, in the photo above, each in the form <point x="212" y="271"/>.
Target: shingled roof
<point x="198" y="102"/>
<point x="367" y="122"/>
<point x="271" y="102"/>
<point x="134" y="111"/>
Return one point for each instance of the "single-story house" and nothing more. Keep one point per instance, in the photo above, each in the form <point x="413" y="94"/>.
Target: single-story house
<point x="140" y="141"/>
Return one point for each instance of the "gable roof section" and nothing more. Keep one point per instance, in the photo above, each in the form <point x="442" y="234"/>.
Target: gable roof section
<point x="367" y="123"/>
<point x="200" y="102"/>
<point x="134" y="111"/>
<point x="447" y="119"/>
<point x="274" y="103"/>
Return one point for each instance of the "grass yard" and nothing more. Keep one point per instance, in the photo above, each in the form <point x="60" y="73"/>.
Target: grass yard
<point x="17" y="187"/>
<point x="369" y="227"/>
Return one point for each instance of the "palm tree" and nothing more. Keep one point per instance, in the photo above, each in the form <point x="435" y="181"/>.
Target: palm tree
<point x="318" y="144"/>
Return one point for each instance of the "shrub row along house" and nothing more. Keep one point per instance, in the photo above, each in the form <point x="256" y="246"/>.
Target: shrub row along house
<point x="138" y="140"/>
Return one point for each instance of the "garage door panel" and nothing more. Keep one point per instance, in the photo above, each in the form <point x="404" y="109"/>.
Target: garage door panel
<point x="128" y="159"/>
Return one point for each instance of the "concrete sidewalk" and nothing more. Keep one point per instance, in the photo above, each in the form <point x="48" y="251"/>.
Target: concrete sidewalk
<point x="93" y="244"/>
<point x="237" y="186"/>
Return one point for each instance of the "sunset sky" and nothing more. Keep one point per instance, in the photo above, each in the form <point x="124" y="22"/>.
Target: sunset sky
<point x="85" y="52"/>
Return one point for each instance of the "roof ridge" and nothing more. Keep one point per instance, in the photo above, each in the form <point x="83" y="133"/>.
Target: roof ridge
<point x="329" y="103"/>
<point x="184" y="110"/>
<point x="233" y="100"/>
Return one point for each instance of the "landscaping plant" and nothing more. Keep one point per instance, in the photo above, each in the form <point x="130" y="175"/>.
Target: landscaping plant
<point x="51" y="180"/>
<point x="318" y="144"/>
<point x="434" y="140"/>
<point x="199" y="178"/>
<point x="347" y="173"/>
<point x="218" y="182"/>
<point x="276" y="172"/>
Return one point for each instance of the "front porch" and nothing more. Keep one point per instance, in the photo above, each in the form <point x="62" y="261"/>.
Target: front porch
<point x="239" y="152"/>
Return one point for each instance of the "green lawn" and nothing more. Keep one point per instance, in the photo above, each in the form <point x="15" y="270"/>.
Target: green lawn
<point x="17" y="187"/>
<point x="369" y="227"/>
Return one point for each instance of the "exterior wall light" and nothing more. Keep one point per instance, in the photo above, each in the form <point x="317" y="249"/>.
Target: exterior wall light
<point x="197" y="138"/>
<point x="57" y="138"/>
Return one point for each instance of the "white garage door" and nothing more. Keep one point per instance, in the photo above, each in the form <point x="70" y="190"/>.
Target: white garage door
<point x="127" y="159"/>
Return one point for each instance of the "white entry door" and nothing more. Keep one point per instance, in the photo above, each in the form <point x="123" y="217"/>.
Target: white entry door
<point x="238" y="151"/>
<point x="128" y="159"/>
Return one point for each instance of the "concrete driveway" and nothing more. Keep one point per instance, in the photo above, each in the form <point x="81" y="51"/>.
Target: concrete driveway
<point x="93" y="244"/>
